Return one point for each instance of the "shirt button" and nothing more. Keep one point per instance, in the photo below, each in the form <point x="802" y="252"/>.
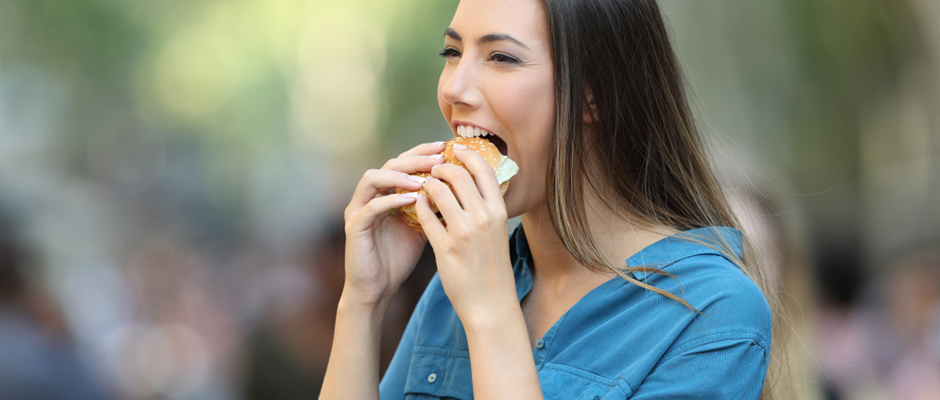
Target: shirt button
<point x="432" y="377"/>
<point x="539" y="344"/>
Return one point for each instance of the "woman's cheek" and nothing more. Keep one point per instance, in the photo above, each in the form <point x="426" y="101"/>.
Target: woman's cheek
<point x="528" y="112"/>
<point x="525" y="100"/>
<point x="532" y="105"/>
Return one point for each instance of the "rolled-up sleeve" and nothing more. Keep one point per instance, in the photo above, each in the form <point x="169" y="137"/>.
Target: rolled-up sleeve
<point x="727" y="368"/>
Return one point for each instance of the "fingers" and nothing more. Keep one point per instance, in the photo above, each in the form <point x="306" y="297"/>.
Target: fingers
<point x="425" y="149"/>
<point x="432" y="226"/>
<point x="413" y="164"/>
<point x="482" y="172"/>
<point x="444" y="199"/>
<point x="395" y="174"/>
<point x="461" y="181"/>
<point x="376" y="181"/>
<point x="377" y="207"/>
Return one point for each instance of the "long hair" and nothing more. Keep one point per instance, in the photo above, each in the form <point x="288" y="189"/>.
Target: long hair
<point x="647" y="160"/>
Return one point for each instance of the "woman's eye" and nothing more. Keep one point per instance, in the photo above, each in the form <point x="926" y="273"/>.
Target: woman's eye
<point x="503" y="59"/>
<point x="449" y="52"/>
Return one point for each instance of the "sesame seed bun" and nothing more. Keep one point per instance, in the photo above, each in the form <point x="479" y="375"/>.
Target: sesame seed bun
<point x="483" y="147"/>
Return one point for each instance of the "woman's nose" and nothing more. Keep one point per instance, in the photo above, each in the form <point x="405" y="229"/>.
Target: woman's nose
<point x="461" y="88"/>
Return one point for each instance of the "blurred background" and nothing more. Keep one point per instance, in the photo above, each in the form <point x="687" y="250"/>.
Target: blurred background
<point x="173" y="175"/>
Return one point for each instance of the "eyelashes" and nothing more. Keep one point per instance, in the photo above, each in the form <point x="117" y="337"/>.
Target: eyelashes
<point x="449" y="52"/>
<point x="499" y="58"/>
<point x="503" y="59"/>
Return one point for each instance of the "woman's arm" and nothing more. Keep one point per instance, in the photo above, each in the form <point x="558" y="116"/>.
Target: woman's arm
<point x="501" y="358"/>
<point x="353" y="369"/>
<point x="381" y="252"/>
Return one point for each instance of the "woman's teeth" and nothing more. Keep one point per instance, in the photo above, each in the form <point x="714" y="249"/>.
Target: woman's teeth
<point x="471" y="131"/>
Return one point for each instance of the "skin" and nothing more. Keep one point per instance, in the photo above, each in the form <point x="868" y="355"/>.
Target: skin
<point x="505" y="88"/>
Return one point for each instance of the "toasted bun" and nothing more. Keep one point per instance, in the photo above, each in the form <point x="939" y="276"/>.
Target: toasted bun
<point x="483" y="147"/>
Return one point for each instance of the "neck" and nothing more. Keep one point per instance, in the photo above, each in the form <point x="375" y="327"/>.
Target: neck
<point x="617" y="237"/>
<point x="549" y="255"/>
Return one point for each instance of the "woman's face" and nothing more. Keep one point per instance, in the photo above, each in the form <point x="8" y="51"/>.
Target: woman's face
<point x="498" y="77"/>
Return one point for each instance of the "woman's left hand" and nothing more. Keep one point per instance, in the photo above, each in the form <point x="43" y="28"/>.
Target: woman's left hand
<point x="472" y="252"/>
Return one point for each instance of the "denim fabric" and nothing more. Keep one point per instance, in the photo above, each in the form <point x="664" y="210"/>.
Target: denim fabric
<point x="619" y="341"/>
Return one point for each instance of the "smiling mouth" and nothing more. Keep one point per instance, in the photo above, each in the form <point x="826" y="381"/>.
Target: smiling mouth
<point x="472" y="131"/>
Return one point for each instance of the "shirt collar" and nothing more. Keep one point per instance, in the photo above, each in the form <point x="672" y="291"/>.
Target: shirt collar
<point x="665" y="252"/>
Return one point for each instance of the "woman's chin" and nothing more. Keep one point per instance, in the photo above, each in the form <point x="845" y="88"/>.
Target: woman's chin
<point x="514" y="204"/>
<point x="511" y="210"/>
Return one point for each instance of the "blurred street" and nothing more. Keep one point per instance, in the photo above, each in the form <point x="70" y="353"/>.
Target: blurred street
<point x="173" y="176"/>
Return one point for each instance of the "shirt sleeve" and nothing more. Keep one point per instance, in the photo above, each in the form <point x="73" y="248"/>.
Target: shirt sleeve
<point x="721" y="369"/>
<point x="392" y="386"/>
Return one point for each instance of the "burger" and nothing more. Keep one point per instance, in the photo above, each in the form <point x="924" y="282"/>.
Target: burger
<point x="503" y="167"/>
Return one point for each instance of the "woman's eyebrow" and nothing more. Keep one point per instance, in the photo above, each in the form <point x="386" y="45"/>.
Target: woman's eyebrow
<point x="492" y="37"/>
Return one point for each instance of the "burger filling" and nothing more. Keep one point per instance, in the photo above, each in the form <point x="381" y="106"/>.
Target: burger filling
<point x="507" y="169"/>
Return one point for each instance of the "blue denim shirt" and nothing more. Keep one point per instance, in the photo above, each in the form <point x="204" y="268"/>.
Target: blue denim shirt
<point x="619" y="341"/>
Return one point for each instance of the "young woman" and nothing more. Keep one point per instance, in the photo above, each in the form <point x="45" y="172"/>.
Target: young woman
<point x="626" y="278"/>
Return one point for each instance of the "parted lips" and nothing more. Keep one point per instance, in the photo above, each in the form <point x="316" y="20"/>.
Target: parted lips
<point x="502" y="166"/>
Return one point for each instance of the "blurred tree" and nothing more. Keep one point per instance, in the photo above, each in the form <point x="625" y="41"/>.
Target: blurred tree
<point x="852" y="58"/>
<point x="413" y="68"/>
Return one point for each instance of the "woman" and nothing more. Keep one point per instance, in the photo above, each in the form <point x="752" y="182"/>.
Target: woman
<point x="588" y="98"/>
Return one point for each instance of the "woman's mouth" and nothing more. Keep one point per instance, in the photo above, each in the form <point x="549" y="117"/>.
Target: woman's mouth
<point x="472" y="131"/>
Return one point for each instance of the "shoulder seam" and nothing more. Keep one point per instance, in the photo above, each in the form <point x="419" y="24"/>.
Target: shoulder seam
<point x="757" y="339"/>
<point x="686" y="256"/>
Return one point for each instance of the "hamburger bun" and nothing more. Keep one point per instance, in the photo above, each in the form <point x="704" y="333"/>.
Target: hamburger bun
<point x="503" y="167"/>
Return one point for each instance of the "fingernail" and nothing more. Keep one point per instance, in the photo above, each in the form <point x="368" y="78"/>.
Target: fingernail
<point x="438" y="165"/>
<point x="437" y="143"/>
<point x="410" y="195"/>
<point x="436" y="157"/>
<point x="460" y="147"/>
<point x="417" y="179"/>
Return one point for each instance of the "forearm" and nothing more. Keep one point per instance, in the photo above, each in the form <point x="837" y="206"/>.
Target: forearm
<point x="353" y="369"/>
<point x="501" y="357"/>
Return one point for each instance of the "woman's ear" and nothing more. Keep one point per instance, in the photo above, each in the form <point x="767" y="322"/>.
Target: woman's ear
<point x="589" y="111"/>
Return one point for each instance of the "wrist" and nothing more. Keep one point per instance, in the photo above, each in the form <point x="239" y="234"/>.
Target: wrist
<point x="353" y="304"/>
<point x="365" y="295"/>
<point x="494" y="319"/>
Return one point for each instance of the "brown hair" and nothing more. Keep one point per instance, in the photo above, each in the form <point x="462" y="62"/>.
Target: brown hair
<point x="614" y="57"/>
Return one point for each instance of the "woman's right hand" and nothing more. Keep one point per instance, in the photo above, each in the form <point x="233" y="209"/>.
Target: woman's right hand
<point x="381" y="250"/>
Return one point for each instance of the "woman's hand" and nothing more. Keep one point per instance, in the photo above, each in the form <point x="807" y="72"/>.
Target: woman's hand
<point x="381" y="250"/>
<point x="473" y="250"/>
